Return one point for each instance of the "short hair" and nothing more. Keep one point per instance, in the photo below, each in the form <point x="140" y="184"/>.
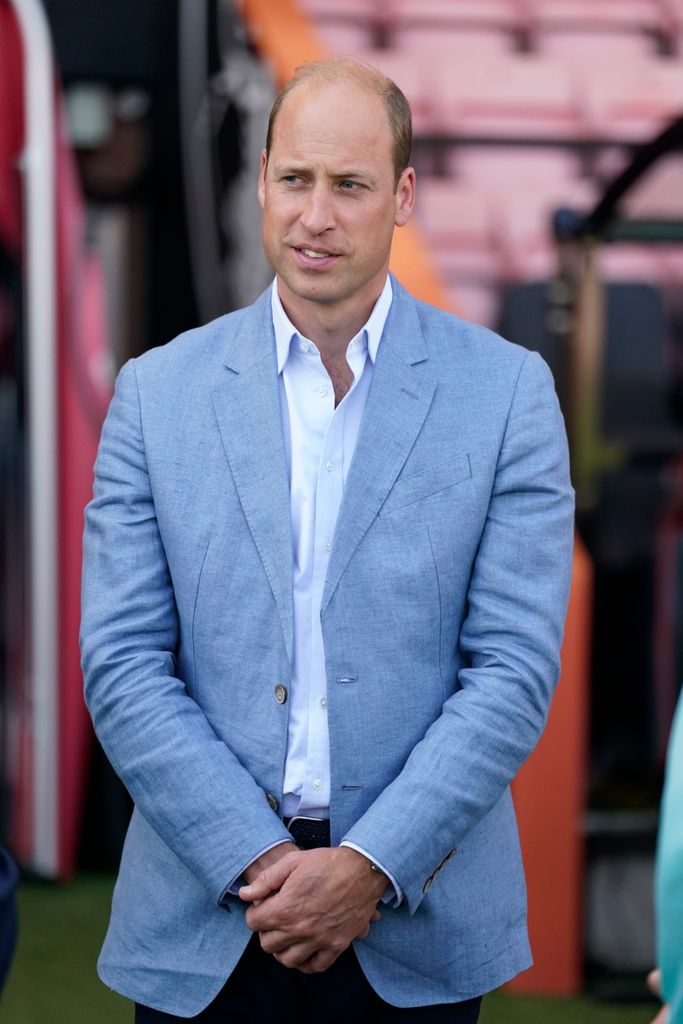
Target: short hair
<point x="365" y="76"/>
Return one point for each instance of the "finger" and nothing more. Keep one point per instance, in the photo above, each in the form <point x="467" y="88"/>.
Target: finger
<point x="266" y="915"/>
<point x="296" y="955"/>
<point x="269" y="881"/>
<point x="278" y="940"/>
<point x="376" y="916"/>
<point x="654" y="982"/>
<point x="319" y="962"/>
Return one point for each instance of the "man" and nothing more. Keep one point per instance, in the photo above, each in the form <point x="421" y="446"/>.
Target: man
<point x="327" y="565"/>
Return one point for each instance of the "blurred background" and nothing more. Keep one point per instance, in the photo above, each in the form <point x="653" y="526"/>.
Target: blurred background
<point x="549" y="151"/>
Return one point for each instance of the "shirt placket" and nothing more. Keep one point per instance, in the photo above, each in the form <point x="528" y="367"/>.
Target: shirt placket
<point x="328" y="498"/>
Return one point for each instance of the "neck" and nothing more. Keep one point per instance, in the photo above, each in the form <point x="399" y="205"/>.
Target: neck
<point x="329" y="326"/>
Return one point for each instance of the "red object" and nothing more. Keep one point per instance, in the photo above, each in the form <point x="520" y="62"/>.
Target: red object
<point x="550" y="797"/>
<point x="82" y="389"/>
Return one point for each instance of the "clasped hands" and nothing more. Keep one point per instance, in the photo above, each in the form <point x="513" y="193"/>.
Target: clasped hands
<point x="309" y="905"/>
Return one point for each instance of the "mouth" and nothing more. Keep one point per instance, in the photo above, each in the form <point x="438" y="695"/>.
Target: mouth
<point x="314" y="253"/>
<point x="309" y="257"/>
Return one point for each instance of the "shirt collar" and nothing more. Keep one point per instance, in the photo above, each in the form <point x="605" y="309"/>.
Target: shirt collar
<point x="285" y="330"/>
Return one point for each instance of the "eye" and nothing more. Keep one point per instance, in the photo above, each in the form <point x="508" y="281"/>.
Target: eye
<point x="349" y="186"/>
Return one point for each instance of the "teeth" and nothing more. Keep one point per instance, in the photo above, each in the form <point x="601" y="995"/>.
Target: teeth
<point x="315" y="255"/>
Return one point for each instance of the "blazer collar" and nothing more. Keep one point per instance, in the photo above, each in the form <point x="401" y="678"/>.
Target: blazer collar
<point x="398" y="402"/>
<point x="249" y="417"/>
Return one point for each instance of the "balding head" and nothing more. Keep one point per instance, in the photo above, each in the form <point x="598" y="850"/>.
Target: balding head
<point x="325" y="73"/>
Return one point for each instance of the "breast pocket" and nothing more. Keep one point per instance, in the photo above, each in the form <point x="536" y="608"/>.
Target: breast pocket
<point x="430" y="481"/>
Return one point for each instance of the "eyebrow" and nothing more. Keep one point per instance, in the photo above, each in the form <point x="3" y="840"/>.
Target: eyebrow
<point x="285" y="170"/>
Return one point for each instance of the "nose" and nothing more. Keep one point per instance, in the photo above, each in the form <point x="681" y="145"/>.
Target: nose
<point x="317" y="214"/>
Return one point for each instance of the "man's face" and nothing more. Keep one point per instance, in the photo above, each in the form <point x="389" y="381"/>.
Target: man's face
<point x="328" y="198"/>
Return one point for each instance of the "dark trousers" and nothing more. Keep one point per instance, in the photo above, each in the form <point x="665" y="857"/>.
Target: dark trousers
<point x="262" y="991"/>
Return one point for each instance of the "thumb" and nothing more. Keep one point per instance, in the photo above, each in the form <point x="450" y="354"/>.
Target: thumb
<point x="269" y="881"/>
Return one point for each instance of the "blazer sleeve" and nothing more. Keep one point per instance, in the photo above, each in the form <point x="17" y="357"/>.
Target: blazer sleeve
<point x="510" y="642"/>
<point x="183" y="778"/>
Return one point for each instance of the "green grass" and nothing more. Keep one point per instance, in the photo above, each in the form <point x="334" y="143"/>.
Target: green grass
<point x="53" y="978"/>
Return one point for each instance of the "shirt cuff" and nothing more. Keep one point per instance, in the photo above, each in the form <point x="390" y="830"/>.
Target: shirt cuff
<point x="239" y="880"/>
<point x="397" y="894"/>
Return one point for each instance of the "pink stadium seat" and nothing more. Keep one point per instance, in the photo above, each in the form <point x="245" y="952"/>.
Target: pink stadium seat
<point x="634" y="15"/>
<point x="596" y="45"/>
<point x="457" y="221"/>
<point x="660" y="192"/>
<point x="523" y="224"/>
<point x="632" y="263"/>
<point x="672" y="17"/>
<point x="631" y="101"/>
<point x="339" y="10"/>
<point x="344" y="38"/>
<point x="495" y="166"/>
<point x="452" y="39"/>
<point x="509" y="97"/>
<point x="673" y="11"/>
<point x="503" y="13"/>
<point x="672" y="266"/>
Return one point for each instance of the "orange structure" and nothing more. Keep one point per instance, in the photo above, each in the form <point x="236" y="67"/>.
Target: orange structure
<point x="549" y="791"/>
<point x="549" y="794"/>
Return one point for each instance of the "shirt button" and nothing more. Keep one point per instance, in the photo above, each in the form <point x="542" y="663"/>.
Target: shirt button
<point x="317" y="783"/>
<point x="321" y="391"/>
<point x="323" y="702"/>
<point x="329" y="466"/>
<point x="280" y="693"/>
<point x="328" y="545"/>
<point x="303" y="347"/>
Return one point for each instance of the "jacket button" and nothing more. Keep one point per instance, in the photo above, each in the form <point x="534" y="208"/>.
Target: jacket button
<point x="280" y="693"/>
<point x="272" y="802"/>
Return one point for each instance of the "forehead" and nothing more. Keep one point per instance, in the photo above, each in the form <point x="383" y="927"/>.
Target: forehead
<point x="341" y="120"/>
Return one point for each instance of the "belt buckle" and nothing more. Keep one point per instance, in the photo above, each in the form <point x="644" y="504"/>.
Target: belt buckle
<point x="307" y="838"/>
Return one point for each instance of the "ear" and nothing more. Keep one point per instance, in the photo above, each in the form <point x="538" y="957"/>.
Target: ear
<point x="405" y="197"/>
<point x="262" y="180"/>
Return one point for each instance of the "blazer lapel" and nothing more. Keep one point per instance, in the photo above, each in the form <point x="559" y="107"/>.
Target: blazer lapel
<point x="249" y="418"/>
<point x="396" y="408"/>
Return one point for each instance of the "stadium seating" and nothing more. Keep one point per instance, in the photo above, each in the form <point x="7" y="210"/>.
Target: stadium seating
<point x="505" y="97"/>
<point x="520" y="107"/>
<point x="631" y="100"/>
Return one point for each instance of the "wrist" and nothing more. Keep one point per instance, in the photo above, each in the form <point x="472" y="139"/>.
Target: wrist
<point x="266" y="859"/>
<point x="366" y="868"/>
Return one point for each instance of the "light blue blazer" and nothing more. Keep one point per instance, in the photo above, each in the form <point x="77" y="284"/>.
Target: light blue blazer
<point x="442" y="618"/>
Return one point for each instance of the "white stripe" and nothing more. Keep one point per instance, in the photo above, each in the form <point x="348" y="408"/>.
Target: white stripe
<point x="38" y="169"/>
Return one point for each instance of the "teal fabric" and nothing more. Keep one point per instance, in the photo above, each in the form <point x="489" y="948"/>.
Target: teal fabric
<point x="669" y="878"/>
<point x="442" y="619"/>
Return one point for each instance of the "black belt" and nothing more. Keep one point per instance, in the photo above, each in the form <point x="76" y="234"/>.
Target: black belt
<point x="309" y="833"/>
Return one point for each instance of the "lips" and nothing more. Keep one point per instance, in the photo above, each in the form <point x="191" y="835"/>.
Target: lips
<point x="309" y="258"/>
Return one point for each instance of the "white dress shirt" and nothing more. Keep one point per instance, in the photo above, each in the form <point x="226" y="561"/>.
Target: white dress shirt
<point x="319" y="443"/>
